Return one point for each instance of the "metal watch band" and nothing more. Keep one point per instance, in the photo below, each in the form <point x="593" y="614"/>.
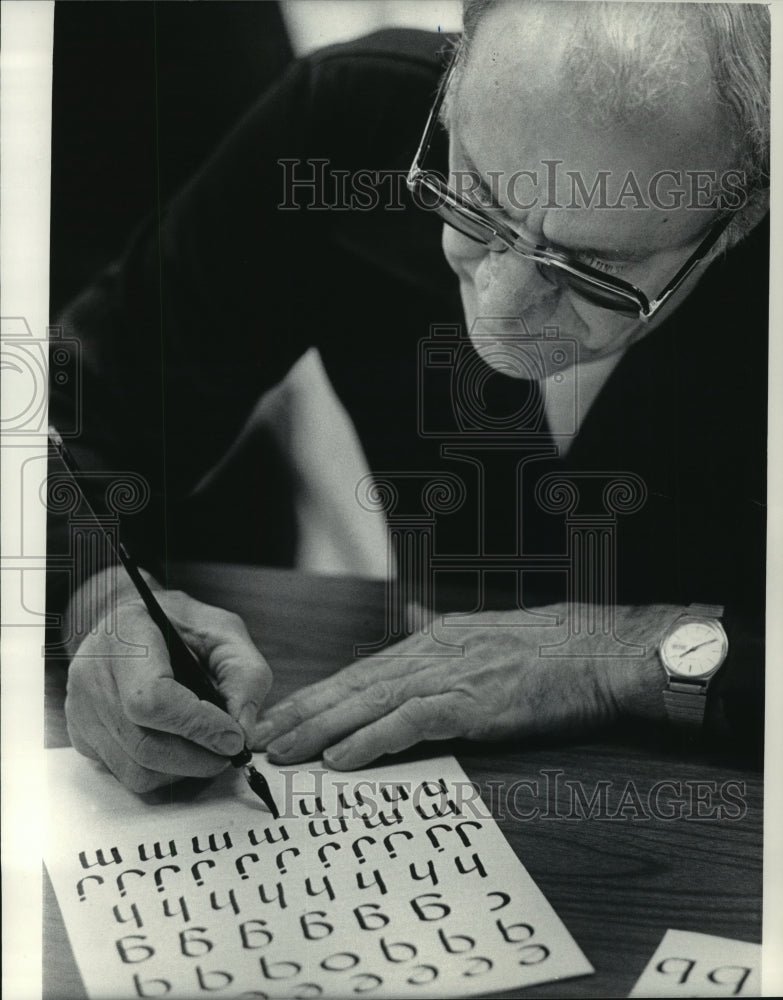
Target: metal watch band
<point x="705" y="610"/>
<point x="686" y="701"/>
<point x="685" y="704"/>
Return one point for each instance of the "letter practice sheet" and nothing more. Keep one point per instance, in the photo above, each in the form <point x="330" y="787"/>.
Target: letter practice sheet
<point x="390" y="882"/>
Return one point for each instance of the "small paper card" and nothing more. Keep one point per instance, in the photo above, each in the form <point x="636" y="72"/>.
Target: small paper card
<point x="393" y="881"/>
<point x="687" y="964"/>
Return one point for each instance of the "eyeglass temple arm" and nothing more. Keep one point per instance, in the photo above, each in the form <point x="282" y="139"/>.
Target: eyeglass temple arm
<point x="432" y="120"/>
<point x="699" y="254"/>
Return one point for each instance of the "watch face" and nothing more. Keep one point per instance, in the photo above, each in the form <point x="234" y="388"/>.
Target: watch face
<point x="694" y="648"/>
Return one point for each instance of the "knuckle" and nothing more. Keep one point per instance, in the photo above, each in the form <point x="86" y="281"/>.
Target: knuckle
<point x="413" y="712"/>
<point x="291" y="714"/>
<point x="444" y="714"/>
<point x="140" y="780"/>
<point x="145" y="704"/>
<point x="379" y="696"/>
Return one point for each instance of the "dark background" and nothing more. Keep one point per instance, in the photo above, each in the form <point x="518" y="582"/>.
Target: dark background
<point x="142" y="93"/>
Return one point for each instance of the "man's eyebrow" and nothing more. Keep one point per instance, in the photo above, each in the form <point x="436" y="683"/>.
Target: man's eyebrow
<point x="602" y="253"/>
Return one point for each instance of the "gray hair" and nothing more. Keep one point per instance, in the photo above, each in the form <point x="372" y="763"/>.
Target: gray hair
<point x="624" y="57"/>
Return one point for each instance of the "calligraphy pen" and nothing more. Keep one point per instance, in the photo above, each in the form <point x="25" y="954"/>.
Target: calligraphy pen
<point x="185" y="665"/>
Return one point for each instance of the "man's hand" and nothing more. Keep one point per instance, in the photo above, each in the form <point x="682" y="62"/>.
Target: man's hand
<point x="130" y="713"/>
<point x="501" y="687"/>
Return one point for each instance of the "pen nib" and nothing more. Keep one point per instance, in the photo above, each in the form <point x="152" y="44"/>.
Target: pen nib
<point x="260" y="786"/>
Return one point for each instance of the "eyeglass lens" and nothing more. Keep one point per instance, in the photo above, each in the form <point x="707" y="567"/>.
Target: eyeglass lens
<point x="479" y="231"/>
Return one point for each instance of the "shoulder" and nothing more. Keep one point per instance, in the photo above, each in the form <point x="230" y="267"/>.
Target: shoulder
<point x="374" y="75"/>
<point x="397" y="50"/>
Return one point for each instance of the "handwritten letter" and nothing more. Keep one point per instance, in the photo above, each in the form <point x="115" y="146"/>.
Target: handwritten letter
<point x="393" y="881"/>
<point x="687" y="964"/>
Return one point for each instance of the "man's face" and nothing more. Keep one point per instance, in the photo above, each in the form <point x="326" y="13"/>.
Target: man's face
<point x="513" y="110"/>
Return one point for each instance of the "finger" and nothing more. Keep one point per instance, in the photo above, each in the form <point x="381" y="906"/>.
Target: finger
<point x="437" y="717"/>
<point x="148" y="696"/>
<point x="377" y="699"/>
<point x="220" y="638"/>
<point x="150" y="749"/>
<point x="134" y="775"/>
<point x="320" y="697"/>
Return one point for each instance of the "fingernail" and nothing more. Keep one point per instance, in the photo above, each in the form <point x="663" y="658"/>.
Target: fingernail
<point x="229" y="743"/>
<point x="247" y="719"/>
<point x="335" y="754"/>
<point x="282" y="746"/>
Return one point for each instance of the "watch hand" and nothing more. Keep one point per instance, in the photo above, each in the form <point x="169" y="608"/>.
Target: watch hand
<point x="697" y="646"/>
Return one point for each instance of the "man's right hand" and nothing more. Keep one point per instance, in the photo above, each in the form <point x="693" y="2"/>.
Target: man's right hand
<point x="130" y="713"/>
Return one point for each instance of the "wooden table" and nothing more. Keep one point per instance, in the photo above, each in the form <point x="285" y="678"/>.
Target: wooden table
<point x="618" y="884"/>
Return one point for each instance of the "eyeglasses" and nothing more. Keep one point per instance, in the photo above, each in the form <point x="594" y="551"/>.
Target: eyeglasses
<point x="591" y="284"/>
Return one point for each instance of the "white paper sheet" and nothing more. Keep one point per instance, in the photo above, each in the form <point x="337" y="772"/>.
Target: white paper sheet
<point x="687" y="964"/>
<point x="394" y="881"/>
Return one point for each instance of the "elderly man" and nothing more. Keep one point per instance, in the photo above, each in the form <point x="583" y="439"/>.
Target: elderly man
<point x="595" y="177"/>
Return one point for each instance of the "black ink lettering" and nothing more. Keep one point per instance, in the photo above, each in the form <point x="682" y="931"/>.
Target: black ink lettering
<point x="326" y="828"/>
<point x="341" y="961"/>
<point x="388" y="841"/>
<point x="534" y="954"/>
<point x="121" y="878"/>
<point x="256" y="928"/>
<point x="125" y="950"/>
<point x="383" y="819"/>
<point x="241" y="864"/>
<point x="157" y="852"/>
<point x="225" y="978"/>
<point x="195" y="869"/>
<point x="450" y="943"/>
<point x="367" y="920"/>
<point x="527" y="932"/>
<point x="422" y="974"/>
<point x="403" y="949"/>
<point x="418" y="908"/>
<point x="268" y="835"/>
<point x="280" y="859"/>
<point x="327" y="887"/>
<point x="463" y="836"/>
<point x="100" y="858"/>
<point x="231" y="900"/>
<point x="80" y="889"/>
<point x="143" y="986"/>
<point x="212" y="842"/>
<point x="377" y="880"/>
<point x="193" y="946"/>
<point x="135" y="916"/>
<point x="477" y="966"/>
<point x="505" y="899"/>
<point x="159" y="875"/>
<point x="432" y="836"/>
<point x="279" y="898"/>
<point x="437" y="810"/>
<point x="477" y="866"/>
<point x="367" y="981"/>
<point x="182" y="911"/>
<point x="429" y="874"/>
<point x="315" y="930"/>
<point x="356" y="846"/>
<point x="279" y="970"/>
<point x="331" y="846"/>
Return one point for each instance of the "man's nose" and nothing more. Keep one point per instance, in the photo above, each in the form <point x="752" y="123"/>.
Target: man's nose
<point x="507" y="283"/>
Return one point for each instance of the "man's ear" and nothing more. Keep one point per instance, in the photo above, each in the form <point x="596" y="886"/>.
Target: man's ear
<point x="748" y="217"/>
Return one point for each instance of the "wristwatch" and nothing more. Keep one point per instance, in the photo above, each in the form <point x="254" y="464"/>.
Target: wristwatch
<point x="692" y="652"/>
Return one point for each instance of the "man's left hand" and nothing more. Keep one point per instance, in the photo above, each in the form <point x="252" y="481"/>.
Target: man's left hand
<point x="499" y="687"/>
